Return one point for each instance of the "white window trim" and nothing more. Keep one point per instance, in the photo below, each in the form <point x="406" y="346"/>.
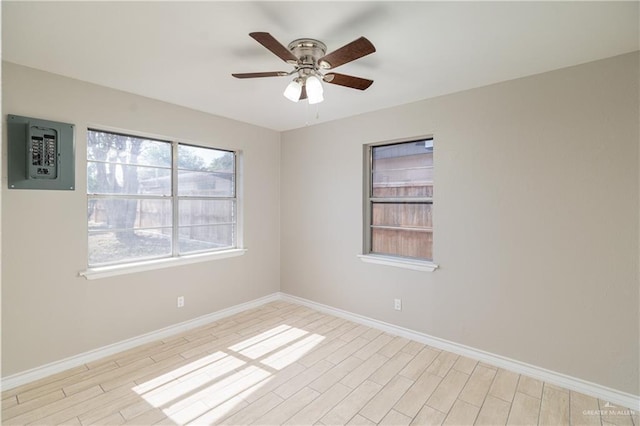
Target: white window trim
<point x="150" y="265"/>
<point x="379" y="259"/>
<point x="106" y="271"/>
<point x="415" y="265"/>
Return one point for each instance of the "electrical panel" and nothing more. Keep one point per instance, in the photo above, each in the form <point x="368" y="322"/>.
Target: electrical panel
<point x="41" y="154"/>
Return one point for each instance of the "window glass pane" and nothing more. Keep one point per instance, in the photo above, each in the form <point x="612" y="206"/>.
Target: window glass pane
<point x="106" y="247"/>
<point x="405" y="243"/>
<point x="206" y="237"/>
<point x="204" y="159"/>
<point x="115" y="148"/>
<point x="399" y="171"/>
<point x="412" y="215"/>
<point x="403" y="170"/>
<point x="206" y="212"/>
<point x="117" y="178"/>
<point x="127" y="213"/>
<point x="123" y="229"/>
<point x="206" y="184"/>
<point x="205" y="172"/>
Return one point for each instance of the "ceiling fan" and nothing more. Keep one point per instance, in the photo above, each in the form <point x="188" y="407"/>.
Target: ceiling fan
<point x="309" y="58"/>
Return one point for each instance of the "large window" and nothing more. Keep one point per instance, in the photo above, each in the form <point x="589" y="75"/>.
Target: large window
<point x="399" y="200"/>
<point x="151" y="199"/>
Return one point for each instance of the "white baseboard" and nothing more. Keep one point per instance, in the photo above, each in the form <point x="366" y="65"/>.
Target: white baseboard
<point x="21" y="378"/>
<point x="602" y="392"/>
<point x="588" y="388"/>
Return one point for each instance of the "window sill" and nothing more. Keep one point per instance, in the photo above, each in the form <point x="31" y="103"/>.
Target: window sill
<point x="415" y="265"/>
<point x="150" y="265"/>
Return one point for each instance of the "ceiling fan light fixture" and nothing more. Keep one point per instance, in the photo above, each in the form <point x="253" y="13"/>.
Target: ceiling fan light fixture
<point x="314" y="90"/>
<point x="309" y="56"/>
<point x="293" y="91"/>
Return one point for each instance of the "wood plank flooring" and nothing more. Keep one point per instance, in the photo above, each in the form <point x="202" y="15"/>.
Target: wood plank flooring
<point x="286" y="364"/>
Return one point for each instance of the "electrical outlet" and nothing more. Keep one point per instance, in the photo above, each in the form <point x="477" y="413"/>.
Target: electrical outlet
<point x="180" y="301"/>
<point x="397" y="304"/>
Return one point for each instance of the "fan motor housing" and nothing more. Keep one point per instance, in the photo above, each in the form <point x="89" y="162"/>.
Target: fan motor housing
<point x="308" y="50"/>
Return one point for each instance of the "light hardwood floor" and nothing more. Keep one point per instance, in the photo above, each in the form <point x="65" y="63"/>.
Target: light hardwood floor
<point x="286" y="364"/>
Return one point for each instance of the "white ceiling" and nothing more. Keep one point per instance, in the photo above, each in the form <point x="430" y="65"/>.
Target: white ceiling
<point x="185" y="52"/>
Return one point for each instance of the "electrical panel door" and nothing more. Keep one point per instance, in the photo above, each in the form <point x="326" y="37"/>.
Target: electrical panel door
<point x="41" y="154"/>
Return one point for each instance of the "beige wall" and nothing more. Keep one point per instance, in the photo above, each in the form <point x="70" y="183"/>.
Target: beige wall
<point x="48" y="312"/>
<point x="536" y="220"/>
<point x="537" y="206"/>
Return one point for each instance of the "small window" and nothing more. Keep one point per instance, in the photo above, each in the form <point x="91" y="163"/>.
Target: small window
<point x="399" y="200"/>
<point x="150" y="199"/>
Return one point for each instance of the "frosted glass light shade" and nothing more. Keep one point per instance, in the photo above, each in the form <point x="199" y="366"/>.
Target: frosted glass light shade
<point x="314" y="90"/>
<point x="293" y="91"/>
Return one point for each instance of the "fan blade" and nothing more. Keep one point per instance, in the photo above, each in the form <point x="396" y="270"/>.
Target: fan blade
<point x="348" y="81"/>
<point x="261" y="74"/>
<point x="275" y="47"/>
<point x="347" y="53"/>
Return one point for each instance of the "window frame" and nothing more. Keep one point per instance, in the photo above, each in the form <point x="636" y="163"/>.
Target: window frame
<point x="368" y="255"/>
<point x="174" y="258"/>
<point x="175" y="172"/>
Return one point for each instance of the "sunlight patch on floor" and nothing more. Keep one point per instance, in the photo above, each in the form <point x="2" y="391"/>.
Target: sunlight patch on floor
<point x="178" y="372"/>
<point x="229" y="406"/>
<point x="260" y="337"/>
<point x="212" y="396"/>
<point x="214" y="386"/>
<point x="291" y="354"/>
<point x="269" y="345"/>
<point x="181" y="386"/>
